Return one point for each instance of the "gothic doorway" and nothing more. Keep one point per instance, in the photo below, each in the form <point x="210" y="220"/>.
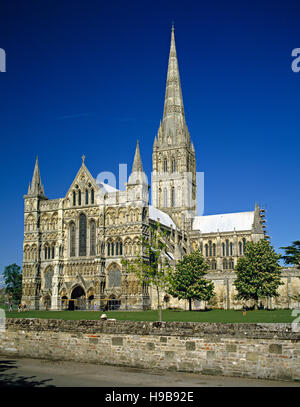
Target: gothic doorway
<point x="78" y="300"/>
<point x="90" y="302"/>
<point x="113" y="304"/>
<point x="64" y="302"/>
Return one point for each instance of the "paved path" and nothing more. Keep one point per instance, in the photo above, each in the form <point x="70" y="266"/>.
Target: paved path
<point x="43" y="373"/>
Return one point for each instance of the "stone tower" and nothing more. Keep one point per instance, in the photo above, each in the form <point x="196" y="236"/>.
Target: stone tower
<point x="32" y="238"/>
<point x="173" y="159"/>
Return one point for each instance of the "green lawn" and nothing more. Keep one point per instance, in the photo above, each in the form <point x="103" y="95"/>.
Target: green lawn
<point x="225" y="316"/>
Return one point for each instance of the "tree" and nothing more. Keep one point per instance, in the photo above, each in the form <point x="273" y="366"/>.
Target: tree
<point x="151" y="267"/>
<point x="292" y="254"/>
<point x="258" y="272"/>
<point x="188" y="282"/>
<point x="13" y="281"/>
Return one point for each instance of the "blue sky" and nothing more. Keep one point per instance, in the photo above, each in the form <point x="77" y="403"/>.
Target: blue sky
<point x="88" y="77"/>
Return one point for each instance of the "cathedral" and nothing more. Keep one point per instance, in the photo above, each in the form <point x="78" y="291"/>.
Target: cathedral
<point x="74" y="246"/>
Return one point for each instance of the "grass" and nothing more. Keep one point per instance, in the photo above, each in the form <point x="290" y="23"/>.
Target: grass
<point x="225" y="316"/>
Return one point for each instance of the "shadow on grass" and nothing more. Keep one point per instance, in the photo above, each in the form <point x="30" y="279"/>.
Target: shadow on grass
<point x="11" y="379"/>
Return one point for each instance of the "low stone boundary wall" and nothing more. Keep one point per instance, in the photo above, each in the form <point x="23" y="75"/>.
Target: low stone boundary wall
<point x="268" y="351"/>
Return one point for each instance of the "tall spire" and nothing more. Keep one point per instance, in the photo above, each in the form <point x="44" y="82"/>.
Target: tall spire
<point x="36" y="188"/>
<point x="173" y="117"/>
<point x="137" y="162"/>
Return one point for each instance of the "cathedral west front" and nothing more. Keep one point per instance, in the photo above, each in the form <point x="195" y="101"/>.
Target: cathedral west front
<point x="73" y="246"/>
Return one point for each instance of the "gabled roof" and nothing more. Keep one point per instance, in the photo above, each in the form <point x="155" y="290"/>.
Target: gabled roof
<point x="82" y="170"/>
<point x="225" y="222"/>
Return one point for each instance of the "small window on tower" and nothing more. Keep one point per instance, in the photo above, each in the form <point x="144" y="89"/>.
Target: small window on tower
<point x="173" y="197"/>
<point x="165" y="165"/>
<point x="173" y="165"/>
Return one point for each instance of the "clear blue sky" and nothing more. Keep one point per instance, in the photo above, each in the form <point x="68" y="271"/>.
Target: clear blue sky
<point x="89" y="77"/>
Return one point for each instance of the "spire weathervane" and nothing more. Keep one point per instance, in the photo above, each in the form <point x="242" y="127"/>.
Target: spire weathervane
<point x="83" y="158"/>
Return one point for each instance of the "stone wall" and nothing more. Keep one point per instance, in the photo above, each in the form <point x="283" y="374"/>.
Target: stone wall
<point x="269" y="351"/>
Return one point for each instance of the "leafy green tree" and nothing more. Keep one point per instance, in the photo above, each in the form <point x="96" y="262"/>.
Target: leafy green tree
<point x="258" y="272"/>
<point x="188" y="282"/>
<point x="151" y="266"/>
<point x="13" y="281"/>
<point x="292" y="254"/>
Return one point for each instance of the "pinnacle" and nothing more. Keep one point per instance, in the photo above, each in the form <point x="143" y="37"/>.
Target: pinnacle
<point x="36" y="188"/>
<point x="137" y="162"/>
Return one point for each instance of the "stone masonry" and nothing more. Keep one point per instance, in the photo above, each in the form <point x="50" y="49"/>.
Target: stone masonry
<point x="266" y="351"/>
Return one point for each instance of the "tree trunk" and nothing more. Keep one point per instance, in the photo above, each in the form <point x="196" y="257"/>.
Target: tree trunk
<point x="158" y="299"/>
<point x="158" y="304"/>
<point x="190" y="304"/>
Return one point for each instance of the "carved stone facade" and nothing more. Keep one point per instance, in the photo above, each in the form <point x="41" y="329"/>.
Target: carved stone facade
<point x="73" y="246"/>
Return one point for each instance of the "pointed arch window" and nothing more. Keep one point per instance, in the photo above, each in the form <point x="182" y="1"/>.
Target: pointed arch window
<point x="214" y="249"/>
<point x="240" y="248"/>
<point x="92" y="196"/>
<point x="173" y="166"/>
<point x="72" y="239"/>
<point x="119" y="247"/>
<point x="227" y="247"/>
<point x="86" y="196"/>
<point x="231" y="249"/>
<point x="82" y="235"/>
<point x="93" y="238"/>
<point x="244" y="245"/>
<point x="206" y="250"/>
<point x="173" y="197"/>
<point x="165" y="165"/>
<point x="48" y="276"/>
<point x="223" y="249"/>
<point x="210" y="248"/>
<point x="114" y="277"/>
<point x="74" y="198"/>
<point x="165" y="198"/>
<point x="79" y="197"/>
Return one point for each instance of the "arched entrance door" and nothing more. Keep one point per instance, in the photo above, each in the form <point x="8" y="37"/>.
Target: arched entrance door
<point x="90" y="301"/>
<point x="113" y="304"/>
<point x="64" y="302"/>
<point x="78" y="300"/>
